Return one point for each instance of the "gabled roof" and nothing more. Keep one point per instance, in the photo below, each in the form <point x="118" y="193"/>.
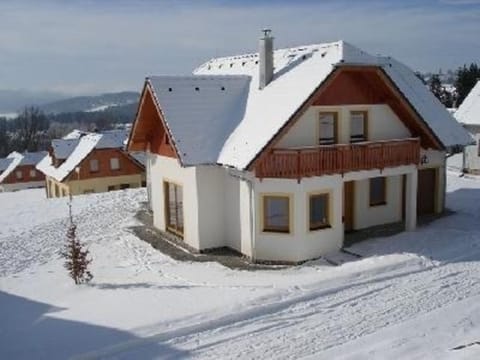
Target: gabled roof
<point x="231" y="126"/>
<point x="32" y="158"/>
<point x="201" y="112"/>
<point x="15" y="159"/>
<point x="469" y="111"/>
<point x="4" y="163"/>
<point x="76" y="147"/>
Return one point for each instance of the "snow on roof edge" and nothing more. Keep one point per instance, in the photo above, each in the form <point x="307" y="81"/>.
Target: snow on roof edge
<point x="17" y="158"/>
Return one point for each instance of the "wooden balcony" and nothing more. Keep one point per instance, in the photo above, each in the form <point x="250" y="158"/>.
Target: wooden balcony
<point x="338" y="159"/>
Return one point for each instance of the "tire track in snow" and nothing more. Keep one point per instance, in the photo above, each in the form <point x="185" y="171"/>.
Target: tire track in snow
<point x="308" y="323"/>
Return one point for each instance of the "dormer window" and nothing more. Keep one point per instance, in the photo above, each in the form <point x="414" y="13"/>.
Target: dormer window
<point x="328" y="132"/>
<point x="358" y="126"/>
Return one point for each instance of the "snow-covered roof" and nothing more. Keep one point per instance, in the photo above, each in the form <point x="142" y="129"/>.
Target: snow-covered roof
<point x="201" y="112"/>
<point x="469" y="111"/>
<point x="76" y="147"/>
<point x="62" y="148"/>
<point x="139" y="156"/>
<point x="112" y="139"/>
<point x="14" y="160"/>
<point x="4" y="163"/>
<point x="219" y="115"/>
<point x="32" y="158"/>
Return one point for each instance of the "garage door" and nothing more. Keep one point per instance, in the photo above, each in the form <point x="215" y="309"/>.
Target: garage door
<point x="427" y="180"/>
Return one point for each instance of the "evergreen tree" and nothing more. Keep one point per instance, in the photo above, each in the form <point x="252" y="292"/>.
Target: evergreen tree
<point x="4" y="140"/>
<point x="76" y="256"/>
<point x="436" y="87"/>
<point x="466" y="79"/>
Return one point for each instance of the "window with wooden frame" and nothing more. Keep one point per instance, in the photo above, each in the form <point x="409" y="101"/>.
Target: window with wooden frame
<point x="327" y="130"/>
<point x="358" y="126"/>
<point x="378" y="191"/>
<point x="33" y="173"/>
<point x="114" y="164"/>
<point x="174" y="207"/>
<point x="276" y="213"/>
<point x="19" y="174"/>
<point x="94" y="165"/>
<point x="319" y="211"/>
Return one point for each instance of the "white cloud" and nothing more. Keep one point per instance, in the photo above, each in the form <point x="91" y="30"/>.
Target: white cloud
<point x="97" y="46"/>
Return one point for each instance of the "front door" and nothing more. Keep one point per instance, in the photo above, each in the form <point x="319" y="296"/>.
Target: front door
<point x="427" y="189"/>
<point x="348" y="198"/>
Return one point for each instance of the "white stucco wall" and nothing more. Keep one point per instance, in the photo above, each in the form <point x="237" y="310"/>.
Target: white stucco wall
<point x="383" y="124"/>
<point x="366" y="215"/>
<point x="301" y="243"/>
<point x="216" y="204"/>
<point x="168" y="169"/>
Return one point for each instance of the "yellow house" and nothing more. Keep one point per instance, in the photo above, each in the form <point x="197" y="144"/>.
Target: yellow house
<point x="83" y="163"/>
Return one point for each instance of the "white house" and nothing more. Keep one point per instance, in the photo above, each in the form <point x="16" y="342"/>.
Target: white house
<point x="278" y="154"/>
<point x="468" y="114"/>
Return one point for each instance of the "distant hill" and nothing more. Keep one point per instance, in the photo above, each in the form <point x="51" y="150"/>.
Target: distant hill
<point x="12" y="101"/>
<point x="93" y="103"/>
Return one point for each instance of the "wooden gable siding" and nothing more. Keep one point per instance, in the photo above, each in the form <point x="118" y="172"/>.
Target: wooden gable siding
<point x="369" y="85"/>
<point x="356" y="85"/>
<point x="25" y="169"/>
<point x="127" y="165"/>
<point x="149" y="129"/>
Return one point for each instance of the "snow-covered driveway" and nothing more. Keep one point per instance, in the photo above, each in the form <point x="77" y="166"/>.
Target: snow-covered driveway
<point x="413" y="295"/>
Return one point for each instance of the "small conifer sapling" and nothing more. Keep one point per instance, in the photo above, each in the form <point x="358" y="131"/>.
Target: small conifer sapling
<point x="76" y="256"/>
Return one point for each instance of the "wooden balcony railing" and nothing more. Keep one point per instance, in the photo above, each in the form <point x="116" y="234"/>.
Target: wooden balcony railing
<point x="338" y="159"/>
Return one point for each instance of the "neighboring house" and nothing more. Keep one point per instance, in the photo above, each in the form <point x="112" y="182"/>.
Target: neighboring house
<point x="82" y="163"/>
<point x="468" y="114"/>
<point x="277" y="155"/>
<point x="17" y="171"/>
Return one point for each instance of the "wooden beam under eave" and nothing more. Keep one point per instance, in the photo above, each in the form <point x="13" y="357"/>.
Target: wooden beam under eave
<point x="430" y="139"/>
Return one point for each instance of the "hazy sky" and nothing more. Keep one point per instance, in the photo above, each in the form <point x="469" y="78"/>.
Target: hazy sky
<point x="107" y="45"/>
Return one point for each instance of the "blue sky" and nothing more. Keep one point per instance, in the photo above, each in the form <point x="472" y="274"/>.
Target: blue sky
<point x="105" y="45"/>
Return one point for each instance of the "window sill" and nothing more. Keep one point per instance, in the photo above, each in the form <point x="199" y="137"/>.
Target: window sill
<point x="175" y="232"/>
<point x="276" y="231"/>
<point x="321" y="227"/>
<point x="383" y="203"/>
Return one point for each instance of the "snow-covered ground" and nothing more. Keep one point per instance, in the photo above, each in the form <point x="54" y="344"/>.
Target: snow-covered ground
<point x="414" y="295"/>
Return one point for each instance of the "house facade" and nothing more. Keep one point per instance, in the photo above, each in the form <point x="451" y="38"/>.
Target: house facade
<point x="468" y="114"/>
<point x="85" y="163"/>
<point x="279" y="164"/>
<point x="18" y="172"/>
